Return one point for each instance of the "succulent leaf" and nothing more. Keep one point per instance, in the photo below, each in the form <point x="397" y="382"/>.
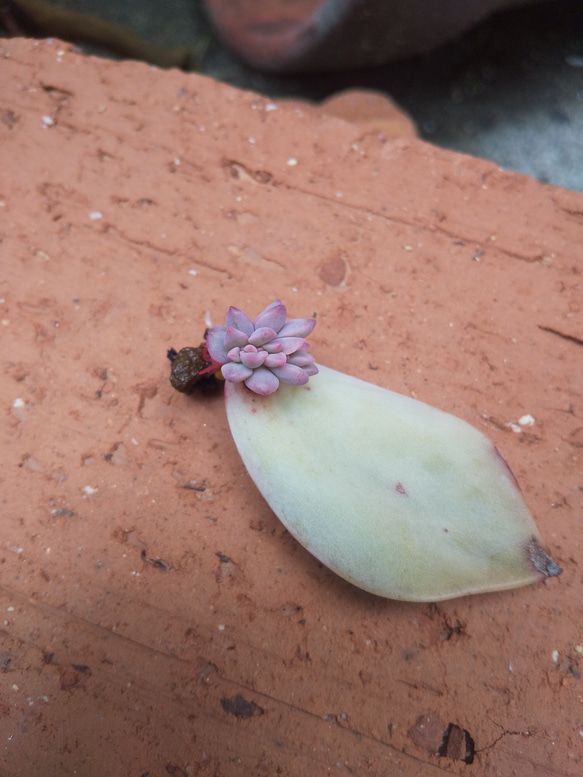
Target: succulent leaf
<point x="397" y="497"/>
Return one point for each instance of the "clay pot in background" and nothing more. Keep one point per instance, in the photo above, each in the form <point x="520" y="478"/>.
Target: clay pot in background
<point x="373" y="111"/>
<point x="303" y="35"/>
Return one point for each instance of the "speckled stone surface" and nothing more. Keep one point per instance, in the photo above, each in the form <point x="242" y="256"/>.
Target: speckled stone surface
<point x="157" y="618"/>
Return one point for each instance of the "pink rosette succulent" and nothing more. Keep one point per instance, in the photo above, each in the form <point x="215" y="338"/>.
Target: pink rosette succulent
<point x="265" y="352"/>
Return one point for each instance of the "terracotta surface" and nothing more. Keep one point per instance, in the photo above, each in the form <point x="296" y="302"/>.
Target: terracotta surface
<point x="157" y="619"/>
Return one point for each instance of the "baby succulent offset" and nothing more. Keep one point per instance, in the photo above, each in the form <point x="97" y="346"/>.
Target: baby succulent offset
<point x="397" y="497"/>
<point x="265" y="352"/>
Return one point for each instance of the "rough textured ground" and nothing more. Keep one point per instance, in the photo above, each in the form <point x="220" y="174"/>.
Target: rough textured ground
<point x="145" y="585"/>
<point x="509" y="90"/>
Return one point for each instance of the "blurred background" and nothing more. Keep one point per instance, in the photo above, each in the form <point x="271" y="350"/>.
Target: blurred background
<point x="509" y="89"/>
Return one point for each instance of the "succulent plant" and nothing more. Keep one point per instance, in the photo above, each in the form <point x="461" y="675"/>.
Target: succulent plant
<point x="397" y="497"/>
<point x="265" y="352"/>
